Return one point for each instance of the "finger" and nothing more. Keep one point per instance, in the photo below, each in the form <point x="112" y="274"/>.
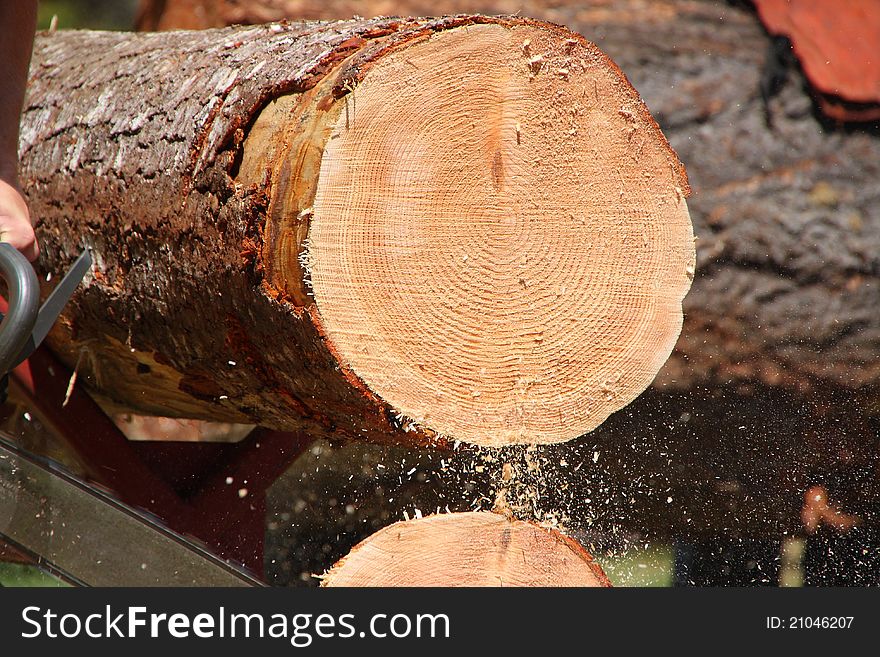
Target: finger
<point x="20" y="234"/>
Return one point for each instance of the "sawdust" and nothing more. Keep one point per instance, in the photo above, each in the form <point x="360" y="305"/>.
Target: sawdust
<point x="600" y="489"/>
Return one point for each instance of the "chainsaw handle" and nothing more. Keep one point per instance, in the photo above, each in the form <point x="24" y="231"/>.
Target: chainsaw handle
<point x="24" y="304"/>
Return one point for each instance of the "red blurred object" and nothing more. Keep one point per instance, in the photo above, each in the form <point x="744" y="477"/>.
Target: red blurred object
<point x="214" y="492"/>
<point x="838" y="46"/>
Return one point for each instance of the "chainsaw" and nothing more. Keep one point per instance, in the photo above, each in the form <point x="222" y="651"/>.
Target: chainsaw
<point x="26" y="323"/>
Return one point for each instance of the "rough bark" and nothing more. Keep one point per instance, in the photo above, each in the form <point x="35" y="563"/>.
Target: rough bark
<point x="140" y="172"/>
<point x="466" y="549"/>
<point x="189" y="164"/>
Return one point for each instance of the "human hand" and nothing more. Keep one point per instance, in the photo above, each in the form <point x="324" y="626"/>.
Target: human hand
<point x="15" y="222"/>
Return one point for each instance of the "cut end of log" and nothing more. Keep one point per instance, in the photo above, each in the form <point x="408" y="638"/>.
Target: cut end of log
<point x="466" y="549"/>
<point x="499" y="242"/>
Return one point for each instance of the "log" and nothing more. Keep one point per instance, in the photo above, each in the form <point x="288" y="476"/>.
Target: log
<point x="466" y="549"/>
<point x="398" y="229"/>
<point x="835" y="50"/>
<point x="785" y="210"/>
<point x="774" y="381"/>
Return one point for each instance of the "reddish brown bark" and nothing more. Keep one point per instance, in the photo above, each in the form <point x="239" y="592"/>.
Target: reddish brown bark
<point x="129" y="146"/>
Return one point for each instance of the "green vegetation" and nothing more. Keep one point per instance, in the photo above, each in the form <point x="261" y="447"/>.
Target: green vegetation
<point x="651" y="566"/>
<point x="87" y="14"/>
<point x="13" y="574"/>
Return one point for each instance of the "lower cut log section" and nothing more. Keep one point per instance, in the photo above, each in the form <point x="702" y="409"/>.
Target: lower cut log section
<point x="466" y="228"/>
<point x="466" y="549"/>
